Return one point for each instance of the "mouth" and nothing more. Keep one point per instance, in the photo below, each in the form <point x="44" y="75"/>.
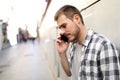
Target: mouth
<point x="67" y="35"/>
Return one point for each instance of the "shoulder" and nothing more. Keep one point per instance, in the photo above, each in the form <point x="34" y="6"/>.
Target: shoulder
<point x="104" y="43"/>
<point x="100" y="38"/>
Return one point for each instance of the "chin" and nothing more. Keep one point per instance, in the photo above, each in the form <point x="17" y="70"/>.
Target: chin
<point x="71" y="40"/>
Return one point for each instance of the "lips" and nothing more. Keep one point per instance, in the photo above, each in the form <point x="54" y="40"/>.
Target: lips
<point x="67" y="35"/>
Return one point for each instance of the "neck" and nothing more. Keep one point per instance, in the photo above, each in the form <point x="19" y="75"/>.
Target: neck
<point x="82" y="34"/>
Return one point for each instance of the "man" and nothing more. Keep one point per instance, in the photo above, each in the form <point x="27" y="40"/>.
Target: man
<point x="92" y="56"/>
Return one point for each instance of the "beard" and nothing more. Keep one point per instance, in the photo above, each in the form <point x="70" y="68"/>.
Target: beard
<point x="75" y="36"/>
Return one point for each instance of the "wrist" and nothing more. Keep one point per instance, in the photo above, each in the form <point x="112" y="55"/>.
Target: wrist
<point x="62" y="55"/>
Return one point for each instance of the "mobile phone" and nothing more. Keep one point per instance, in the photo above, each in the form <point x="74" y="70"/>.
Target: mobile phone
<point x="64" y="38"/>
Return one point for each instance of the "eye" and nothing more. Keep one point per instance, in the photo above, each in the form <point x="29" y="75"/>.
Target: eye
<point x="63" y="26"/>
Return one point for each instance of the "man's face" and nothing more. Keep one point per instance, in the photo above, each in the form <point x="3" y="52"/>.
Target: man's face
<point x="68" y="28"/>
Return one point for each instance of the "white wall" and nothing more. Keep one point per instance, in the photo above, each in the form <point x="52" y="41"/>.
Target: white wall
<point x="104" y="17"/>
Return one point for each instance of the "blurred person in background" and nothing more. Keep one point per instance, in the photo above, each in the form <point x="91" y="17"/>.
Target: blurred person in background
<point x="22" y="35"/>
<point x="92" y="55"/>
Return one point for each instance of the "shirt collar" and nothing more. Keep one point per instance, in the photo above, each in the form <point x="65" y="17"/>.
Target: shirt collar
<point x="88" y="37"/>
<point x="84" y="43"/>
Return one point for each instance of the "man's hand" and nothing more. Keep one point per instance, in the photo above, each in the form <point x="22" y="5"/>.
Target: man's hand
<point x="61" y="45"/>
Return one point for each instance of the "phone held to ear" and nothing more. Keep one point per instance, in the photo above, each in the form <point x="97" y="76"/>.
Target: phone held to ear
<point x="64" y="38"/>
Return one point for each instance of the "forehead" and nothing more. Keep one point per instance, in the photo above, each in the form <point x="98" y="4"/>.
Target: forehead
<point x="62" y="19"/>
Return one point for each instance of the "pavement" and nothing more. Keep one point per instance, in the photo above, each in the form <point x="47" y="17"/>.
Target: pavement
<point x="26" y="61"/>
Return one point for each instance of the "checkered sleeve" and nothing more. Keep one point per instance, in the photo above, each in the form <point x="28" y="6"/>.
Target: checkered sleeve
<point x="109" y="62"/>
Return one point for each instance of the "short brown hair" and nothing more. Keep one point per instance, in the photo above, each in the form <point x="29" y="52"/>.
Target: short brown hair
<point x="68" y="11"/>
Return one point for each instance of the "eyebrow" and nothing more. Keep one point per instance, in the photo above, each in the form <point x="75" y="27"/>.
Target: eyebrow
<point x="61" y="25"/>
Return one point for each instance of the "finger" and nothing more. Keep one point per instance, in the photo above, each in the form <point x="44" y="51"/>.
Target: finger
<point x="58" y="41"/>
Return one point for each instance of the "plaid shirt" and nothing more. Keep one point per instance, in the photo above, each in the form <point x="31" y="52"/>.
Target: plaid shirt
<point x="101" y="60"/>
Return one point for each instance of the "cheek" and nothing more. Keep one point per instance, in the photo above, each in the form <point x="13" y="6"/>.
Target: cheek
<point x="74" y="30"/>
<point x="72" y="27"/>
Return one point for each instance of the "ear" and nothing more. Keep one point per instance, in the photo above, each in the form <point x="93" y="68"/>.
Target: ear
<point x="76" y="18"/>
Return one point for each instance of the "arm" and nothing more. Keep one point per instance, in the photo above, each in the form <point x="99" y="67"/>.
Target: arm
<point x="65" y="64"/>
<point x="109" y="62"/>
<point x="62" y="48"/>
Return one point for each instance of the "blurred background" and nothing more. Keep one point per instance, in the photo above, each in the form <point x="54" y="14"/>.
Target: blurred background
<point x="25" y="20"/>
<point x="21" y="15"/>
